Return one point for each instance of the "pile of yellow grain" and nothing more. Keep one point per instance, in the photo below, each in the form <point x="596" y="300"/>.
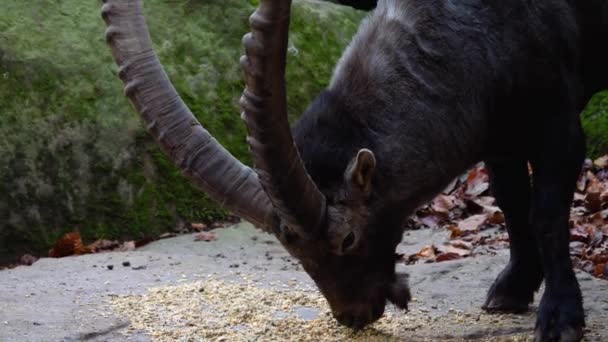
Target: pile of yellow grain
<point x="213" y="310"/>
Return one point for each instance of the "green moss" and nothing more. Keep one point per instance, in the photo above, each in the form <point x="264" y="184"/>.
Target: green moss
<point x="595" y="124"/>
<point x="73" y="155"/>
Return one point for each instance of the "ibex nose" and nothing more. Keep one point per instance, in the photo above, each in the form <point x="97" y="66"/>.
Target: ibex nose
<point x="345" y="319"/>
<point x="358" y="318"/>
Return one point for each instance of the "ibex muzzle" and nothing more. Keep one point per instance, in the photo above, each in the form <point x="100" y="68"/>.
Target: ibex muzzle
<point x="425" y="90"/>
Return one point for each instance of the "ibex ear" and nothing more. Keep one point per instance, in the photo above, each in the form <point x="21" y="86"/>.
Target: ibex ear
<point x="360" y="171"/>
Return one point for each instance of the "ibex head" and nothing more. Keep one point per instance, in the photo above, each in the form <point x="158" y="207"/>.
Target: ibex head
<point x="332" y="231"/>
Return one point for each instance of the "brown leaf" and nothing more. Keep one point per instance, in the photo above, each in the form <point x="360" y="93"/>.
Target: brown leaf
<point x="601" y="162"/>
<point x="456" y="232"/>
<point x="445" y="249"/>
<point x="473" y="208"/>
<point x="587" y="266"/>
<point x="205" y="236"/>
<point x="167" y="235"/>
<point x="461" y="244"/>
<point x="579" y="235"/>
<point x="443" y="204"/>
<point x="496" y="217"/>
<point x="475" y="239"/>
<point x="103" y="245"/>
<point x="472" y="223"/>
<point x="579" y="212"/>
<point x="427" y="252"/>
<point x="477" y="181"/>
<point x="599" y="270"/>
<point x="581" y="183"/>
<point x="484" y="204"/>
<point x="69" y="244"/>
<point x="431" y="221"/>
<point x="591" y="177"/>
<point x="597" y="238"/>
<point x="604" y="197"/>
<point x="593" y="202"/>
<point x="486" y="201"/>
<point x="579" y="199"/>
<point x="447" y="257"/>
<point x="198" y="226"/>
<point x="127" y="246"/>
<point x="576" y="248"/>
<point x="143" y="242"/>
<point x="597" y="219"/>
<point x="598" y="257"/>
<point x="27" y="259"/>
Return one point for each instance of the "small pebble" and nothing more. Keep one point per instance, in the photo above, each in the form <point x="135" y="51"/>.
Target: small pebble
<point x="110" y="267"/>
<point x="126" y="263"/>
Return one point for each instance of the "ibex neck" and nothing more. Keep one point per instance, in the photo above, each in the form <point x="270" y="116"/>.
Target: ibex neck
<point x="412" y="89"/>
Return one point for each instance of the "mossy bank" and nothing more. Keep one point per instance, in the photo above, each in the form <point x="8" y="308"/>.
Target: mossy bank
<point x="595" y="124"/>
<point x="74" y="156"/>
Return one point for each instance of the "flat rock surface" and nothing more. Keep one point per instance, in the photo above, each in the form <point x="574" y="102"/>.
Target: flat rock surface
<point x="74" y="298"/>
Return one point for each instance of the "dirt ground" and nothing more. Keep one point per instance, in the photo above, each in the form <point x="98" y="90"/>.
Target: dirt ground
<point x="244" y="287"/>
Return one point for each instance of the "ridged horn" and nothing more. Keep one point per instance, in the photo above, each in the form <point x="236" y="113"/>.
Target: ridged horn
<point x="296" y="198"/>
<point x="195" y="151"/>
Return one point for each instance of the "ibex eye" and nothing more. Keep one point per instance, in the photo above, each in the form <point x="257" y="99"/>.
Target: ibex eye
<point x="348" y="241"/>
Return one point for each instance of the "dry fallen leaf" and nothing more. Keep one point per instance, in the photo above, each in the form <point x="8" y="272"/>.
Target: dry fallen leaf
<point x="431" y="221"/>
<point x="103" y="245"/>
<point x="427" y="252"/>
<point x="443" y="204"/>
<point x="448" y="257"/>
<point x="477" y="181"/>
<point x="456" y="232"/>
<point x="474" y="220"/>
<point x="69" y="244"/>
<point x="198" y="226"/>
<point x="472" y="223"/>
<point x="127" y="246"/>
<point x="599" y="270"/>
<point x="167" y="235"/>
<point x="205" y="236"/>
<point x="601" y="162"/>
<point x="593" y="202"/>
<point x="27" y="259"/>
<point x="581" y="183"/>
<point x="461" y="244"/>
<point x="496" y="217"/>
<point x="452" y="253"/>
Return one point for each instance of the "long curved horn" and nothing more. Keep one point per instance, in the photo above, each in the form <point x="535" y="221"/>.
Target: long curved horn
<point x="184" y="140"/>
<point x="296" y="198"/>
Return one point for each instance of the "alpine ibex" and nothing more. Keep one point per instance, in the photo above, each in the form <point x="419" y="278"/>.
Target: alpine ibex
<point x="426" y="89"/>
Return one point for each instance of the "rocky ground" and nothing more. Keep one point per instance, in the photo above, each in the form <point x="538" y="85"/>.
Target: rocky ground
<point x="243" y="286"/>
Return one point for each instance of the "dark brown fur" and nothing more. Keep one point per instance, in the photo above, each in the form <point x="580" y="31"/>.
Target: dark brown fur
<point x="431" y="87"/>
